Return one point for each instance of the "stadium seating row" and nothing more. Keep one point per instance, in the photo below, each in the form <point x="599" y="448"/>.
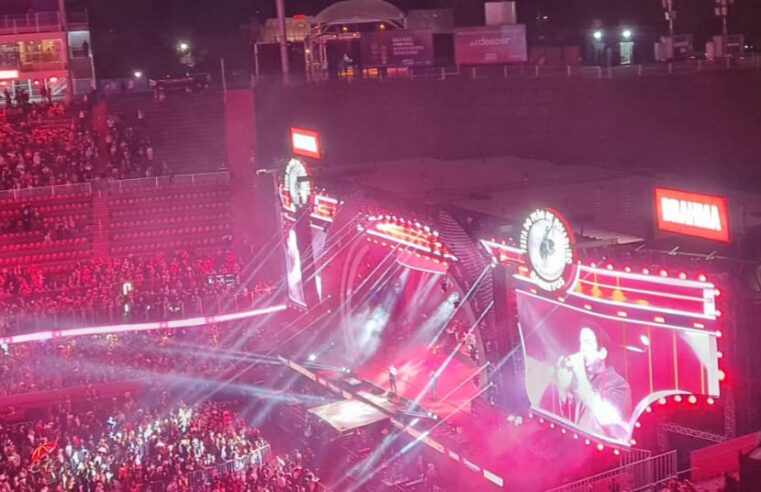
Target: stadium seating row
<point x="173" y="219"/>
<point x="200" y="229"/>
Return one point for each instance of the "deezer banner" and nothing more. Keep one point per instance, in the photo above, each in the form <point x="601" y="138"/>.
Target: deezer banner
<point x="490" y="45"/>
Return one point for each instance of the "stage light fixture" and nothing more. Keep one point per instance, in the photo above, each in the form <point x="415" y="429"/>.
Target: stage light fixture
<point x="312" y="357"/>
<point x="678" y="398"/>
<point x="710" y="401"/>
<point x="693" y="399"/>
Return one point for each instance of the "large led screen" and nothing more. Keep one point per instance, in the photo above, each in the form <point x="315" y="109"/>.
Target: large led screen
<point x="294" y="270"/>
<point x="597" y="373"/>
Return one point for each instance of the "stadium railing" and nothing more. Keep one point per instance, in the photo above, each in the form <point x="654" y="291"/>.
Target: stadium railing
<point x="158" y="311"/>
<point x="219" y="177"/>
<point x="637" y="476"/>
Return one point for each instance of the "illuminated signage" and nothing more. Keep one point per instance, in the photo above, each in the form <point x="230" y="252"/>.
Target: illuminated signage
<point x="692" y="214"/>
<point x="305" y="142"/>
<point x="548" y="241"/>
<point x="297" y="182"/>
<point x="8" y="74"/>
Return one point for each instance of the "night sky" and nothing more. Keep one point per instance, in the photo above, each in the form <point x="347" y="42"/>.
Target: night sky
<point x="130" y="34"/>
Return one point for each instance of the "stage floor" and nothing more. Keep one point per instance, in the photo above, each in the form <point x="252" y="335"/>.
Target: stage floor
<point x="508" y="451"/>
<point x="455" y="387"/>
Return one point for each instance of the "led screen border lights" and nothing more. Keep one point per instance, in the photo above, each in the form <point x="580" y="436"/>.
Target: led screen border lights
<point x="135" y="327"/>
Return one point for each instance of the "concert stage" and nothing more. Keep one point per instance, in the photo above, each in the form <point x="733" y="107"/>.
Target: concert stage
<point x="482" y="452"/>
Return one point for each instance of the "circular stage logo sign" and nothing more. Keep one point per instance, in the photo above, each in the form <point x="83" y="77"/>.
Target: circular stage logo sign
<point x="298" y="182"/>
<point x="548" y="242"/>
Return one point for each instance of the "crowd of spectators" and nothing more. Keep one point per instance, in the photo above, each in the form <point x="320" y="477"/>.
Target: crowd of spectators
<point x="29" y="219"/>
<point x="88" y="361"/>
<point x="50" y="144"/>
<point x="35" y="151"/>
<point x="129" y="149"/>
<point x="131" y="446"/>
<point x="124" y="289"/>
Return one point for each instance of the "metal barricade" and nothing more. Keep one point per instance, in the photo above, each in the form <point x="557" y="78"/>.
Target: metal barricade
<point x="635" y="477"/>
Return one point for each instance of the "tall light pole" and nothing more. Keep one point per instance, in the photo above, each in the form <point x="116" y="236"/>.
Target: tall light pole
<point x="722" y="10"/>
<point x="668" y="7"/>
<point x="280" y="4"/>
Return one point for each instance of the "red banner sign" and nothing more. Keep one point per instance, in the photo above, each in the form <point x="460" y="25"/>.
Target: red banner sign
<point x="305" y="142"/>
<point x="490" y="45"/>
<point x="693" y="214"/>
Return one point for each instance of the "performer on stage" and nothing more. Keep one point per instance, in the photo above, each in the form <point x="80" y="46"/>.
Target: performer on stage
<point x="591" y="393"/>
<point x="392" y="379"/>
<point x="434" y="383"/>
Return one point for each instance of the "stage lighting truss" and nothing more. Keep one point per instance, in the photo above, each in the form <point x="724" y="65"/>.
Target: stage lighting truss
<point x="412" y="235"/>
<point x="325" y="207"/>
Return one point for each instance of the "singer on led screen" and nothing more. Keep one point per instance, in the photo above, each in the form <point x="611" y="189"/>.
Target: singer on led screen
<point x="598" y="374"/>
<point x="590" y="392"/>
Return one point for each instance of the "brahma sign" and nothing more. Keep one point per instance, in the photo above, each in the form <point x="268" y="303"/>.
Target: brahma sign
<point x="693" y="214"/>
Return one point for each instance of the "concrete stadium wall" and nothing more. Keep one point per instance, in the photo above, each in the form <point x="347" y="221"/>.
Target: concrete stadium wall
<point x="705" y="124"/>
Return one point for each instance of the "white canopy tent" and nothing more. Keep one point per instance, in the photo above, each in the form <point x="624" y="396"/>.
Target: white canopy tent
<point x="352" y="12"/>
